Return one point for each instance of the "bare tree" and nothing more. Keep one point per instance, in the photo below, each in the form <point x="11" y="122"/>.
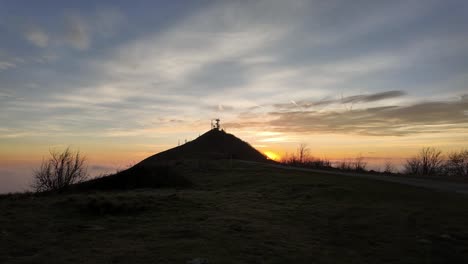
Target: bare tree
<point x="389" y="167"/>
<point x="429" y="161"/>
<point x="61" y="170"/>
<point x="303" y="153"/>
<point x="359" y="163"/>
<point x="303" y="159"/>
<point x="412" y="166"/>
<point x="457" y="163"/>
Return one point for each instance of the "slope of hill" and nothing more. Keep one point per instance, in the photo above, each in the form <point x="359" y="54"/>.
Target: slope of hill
<point x="239" y="212"/>
<point x="214" y="144"/>
<point x="158" y="171"/>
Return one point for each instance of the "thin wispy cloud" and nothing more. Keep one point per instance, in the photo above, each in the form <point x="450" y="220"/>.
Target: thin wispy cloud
<point x="81" y="29"/>
<point x="77" y="32"/>
<point x="5" y="65"/>
<point x="422" y="117"/>
<point x="362" y="98"/>
<point x="37" y="36"/>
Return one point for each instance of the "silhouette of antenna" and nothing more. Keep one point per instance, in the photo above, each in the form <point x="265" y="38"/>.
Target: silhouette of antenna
<point x="215" y="124"/>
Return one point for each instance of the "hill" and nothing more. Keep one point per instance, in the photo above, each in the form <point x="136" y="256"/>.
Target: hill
<point x="158" y="171"/>
<point x="214" y="144"/>
<point x="239" y="212"/>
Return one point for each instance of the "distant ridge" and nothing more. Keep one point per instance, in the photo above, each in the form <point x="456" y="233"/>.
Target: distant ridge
<point x="214" y="144"/>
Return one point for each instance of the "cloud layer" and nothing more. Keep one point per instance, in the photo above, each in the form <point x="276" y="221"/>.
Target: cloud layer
<point x="301" y="66"/>
<point x="421" y="117"/>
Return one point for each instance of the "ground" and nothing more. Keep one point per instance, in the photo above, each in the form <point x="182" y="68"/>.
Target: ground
<point x="240" y="213"/>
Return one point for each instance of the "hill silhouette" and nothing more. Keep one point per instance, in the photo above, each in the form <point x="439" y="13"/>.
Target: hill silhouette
<point x="214" y="144"/>
<point x="158" y="171"/>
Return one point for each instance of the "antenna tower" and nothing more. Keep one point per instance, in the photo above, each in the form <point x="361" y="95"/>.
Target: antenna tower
<point x="215" y="124"/>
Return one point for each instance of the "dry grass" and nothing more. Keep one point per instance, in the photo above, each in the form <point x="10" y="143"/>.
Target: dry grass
<point x="239" y="213"/>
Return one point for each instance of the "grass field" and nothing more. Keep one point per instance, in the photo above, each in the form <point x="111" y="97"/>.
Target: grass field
<point x="239" y="213"/>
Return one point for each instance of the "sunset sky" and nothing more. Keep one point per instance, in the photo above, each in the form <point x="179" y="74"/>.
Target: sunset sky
<point x="122" y="80"/>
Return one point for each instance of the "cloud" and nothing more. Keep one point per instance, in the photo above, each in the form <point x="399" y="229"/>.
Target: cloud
<point x="5" y="65"/>
<point x="385" y="120"/>
<point x="81" y="30"/>
<point x="77" y="32"/>
<point x="107" y="21"/>
<point x="37" y="37"/>
<point x="76" y="29"/>
<point x="220" y="108"/>
<point x="244" y="124"/>
<point x="10" y="62"/>
<point x="265" y="54"/>
<point x="421" y="117"/>
<point x="373" y="97"/>
<point x="196" y="58"/>
<point x="366" y="98"/>
<point x="7" y="94"/>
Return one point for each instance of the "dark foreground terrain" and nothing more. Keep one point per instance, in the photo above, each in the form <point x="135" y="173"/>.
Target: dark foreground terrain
<point x="239" y="213"/>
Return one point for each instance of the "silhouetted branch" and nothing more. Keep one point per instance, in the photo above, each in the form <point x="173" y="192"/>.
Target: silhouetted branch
<point x="60" y="171"/>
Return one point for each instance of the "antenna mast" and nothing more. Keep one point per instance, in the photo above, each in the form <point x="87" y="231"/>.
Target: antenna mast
<point x="215" y="124"/>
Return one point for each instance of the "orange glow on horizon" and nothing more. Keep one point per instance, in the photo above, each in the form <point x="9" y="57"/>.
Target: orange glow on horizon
<point x="272" y="155"/>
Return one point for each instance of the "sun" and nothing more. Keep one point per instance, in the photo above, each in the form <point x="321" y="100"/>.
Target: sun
<point x="271" y="155"/>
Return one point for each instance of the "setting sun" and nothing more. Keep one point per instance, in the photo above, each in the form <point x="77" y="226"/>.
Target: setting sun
<point x="271" y="155"/>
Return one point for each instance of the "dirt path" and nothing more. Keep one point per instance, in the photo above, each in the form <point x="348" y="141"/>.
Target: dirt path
<point x="425" y="183"/>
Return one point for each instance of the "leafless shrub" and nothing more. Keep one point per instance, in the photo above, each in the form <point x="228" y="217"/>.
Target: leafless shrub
<point x="389" y="167"/>
<point x="457" y="163"/>
<point x="359" y="164"/>
<point x="288" y="159"/>
<point x="356" y="164"/>
<point x="345" y="165"/>
<point x="303" y="153"/>
<point x="412" y="166"/>
<point x="61" y="170"/>
<point x="428" y="162"/>
<point x="299" y="158"/>
<point x="302" y="158"/>
<point x="319" y="163"/>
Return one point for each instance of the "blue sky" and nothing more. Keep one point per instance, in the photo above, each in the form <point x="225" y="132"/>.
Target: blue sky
<point x="140" y="75"/>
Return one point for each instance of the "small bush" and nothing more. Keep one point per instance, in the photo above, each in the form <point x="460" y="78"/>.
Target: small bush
<point x="60" y="171"/>
<point x="428" y="162"/>
<point x="412" y="166"/>
<point x="302" y="158"/>
<point x="345" y="165"/>
<point x="357" y="164"/>
<point x="457" y="164"/>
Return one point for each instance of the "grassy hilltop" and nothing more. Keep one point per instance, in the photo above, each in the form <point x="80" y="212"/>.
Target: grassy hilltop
<point x="237" y="212"/>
